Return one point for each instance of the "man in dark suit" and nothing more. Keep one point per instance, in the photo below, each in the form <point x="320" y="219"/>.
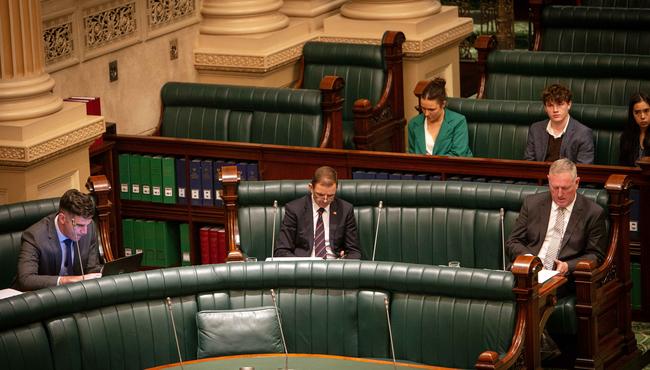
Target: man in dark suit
<point x="319" y="224"/>
<point x="49" y="250"/>
<point x="560" y="136"/>
<point x="561" y="226"/>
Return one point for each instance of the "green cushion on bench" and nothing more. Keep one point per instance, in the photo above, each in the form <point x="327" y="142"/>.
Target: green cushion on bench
<point x="618" y="3"/>
<point x="584" y="29"/>
<point x="242" y="113"/>
<point x="361" y="67"/>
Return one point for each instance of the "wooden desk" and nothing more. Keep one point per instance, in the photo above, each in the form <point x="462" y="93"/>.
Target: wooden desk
<point x="297" y="361"/>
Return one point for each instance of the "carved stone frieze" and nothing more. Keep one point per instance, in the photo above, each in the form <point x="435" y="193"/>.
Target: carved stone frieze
<point x="455" y="34"/>
<point x="247" y="63"/>
<point x="58" y="40"/>
<point x="108" y="25"/>
<point x="163" y="12"/>
<point x="25" y="155"/>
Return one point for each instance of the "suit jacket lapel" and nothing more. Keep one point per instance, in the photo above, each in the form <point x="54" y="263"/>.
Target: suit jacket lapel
<point x="545" y="215"/>
<point x="55" y="245"/>
<point x="334" y="217"/>
<point x="421" y="141"/>
<point x="576" y="214"/>
<point x="309" y="215"/>
<point x="568" y="136"/>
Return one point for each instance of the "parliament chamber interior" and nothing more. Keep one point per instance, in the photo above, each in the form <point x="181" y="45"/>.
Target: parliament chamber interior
<point x="195" y="126"/>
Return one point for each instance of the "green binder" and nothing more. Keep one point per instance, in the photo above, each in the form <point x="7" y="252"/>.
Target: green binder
<point x="134" y="172"/>
<point x="127" y="236"/>
<point x="156" y="179"/>
<point x="169" y="180"/>
<point x="125" y="183"/>
<point x="149" y="244"/>
<point x="145" y="178"/>
<point x="184" y="236"/>
<point x="168" y="251"/>
<point x="138" y="236"/>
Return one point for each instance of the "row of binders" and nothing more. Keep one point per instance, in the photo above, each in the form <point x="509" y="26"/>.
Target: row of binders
<point x="212" y="243"/>
<point x="163" y="244"/>
<point x="162" y="179"/>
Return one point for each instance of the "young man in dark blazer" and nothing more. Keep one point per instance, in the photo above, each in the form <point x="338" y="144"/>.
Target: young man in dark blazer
<point x="581" y="233"/>
<point x="301" y="235"/>
<point x="49" y="250"/>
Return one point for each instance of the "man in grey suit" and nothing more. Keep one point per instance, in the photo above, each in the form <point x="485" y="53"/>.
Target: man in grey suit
<point x="561" y="226"/>
<point x="319" y="224"/>
<point x="49" y="250"/>
<point x="560" y="136"/>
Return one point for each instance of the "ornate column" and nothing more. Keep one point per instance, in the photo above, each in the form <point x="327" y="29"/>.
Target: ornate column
<point x="433" y="35"/>
<point x="25" y="88"/>
<point x="312" y="11"/>
<point x="248" y="42"/>
<point x="43" y="141"/>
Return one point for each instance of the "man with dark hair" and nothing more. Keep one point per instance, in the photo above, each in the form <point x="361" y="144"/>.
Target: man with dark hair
<point x="318" y="224"/>
<point x="561" y="136"/>
<point x="49" y="250"/>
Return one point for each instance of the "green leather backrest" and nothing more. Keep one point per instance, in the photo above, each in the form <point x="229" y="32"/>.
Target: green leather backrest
<point x="133" y="335"/>
<point x="499" y="128"/>
<point x="25" y="347"/>
<point x="14" y="219"/>
<point x="327" y="321"/>
<point x="361" y="67"/>
<point x="428" y="222"/>
<point x="607" y="79"/>
<point x="242" y="113"/>
<point x="121" y="321"/>
<point x="586" y="29"/>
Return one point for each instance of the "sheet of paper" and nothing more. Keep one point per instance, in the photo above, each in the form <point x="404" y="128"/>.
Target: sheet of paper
<point x="544" y="275"/>
<point x="6" y="293"/>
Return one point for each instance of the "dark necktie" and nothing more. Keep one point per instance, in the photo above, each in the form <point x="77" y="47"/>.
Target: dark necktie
<point x="68" y="256"/>
<point x="319" y="236"/>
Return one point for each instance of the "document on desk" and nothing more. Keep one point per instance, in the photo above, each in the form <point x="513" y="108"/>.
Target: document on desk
<point x="6" y="293"/>
<point x="544" y="275"/>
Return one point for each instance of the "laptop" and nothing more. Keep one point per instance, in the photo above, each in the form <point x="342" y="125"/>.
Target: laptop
<point x="122" y="265"/>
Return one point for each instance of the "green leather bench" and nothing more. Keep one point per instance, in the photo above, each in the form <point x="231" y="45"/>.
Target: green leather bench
<point x="591" y="29"/>
<point x="438" y="221"/>
<point x="617" y="3"/>
<point x="373" y="110"/>
<point x="14" y="219"/>
<point x="452" y="317"/>
<point x="307" y="117"/>
<point x="499" y="128"/>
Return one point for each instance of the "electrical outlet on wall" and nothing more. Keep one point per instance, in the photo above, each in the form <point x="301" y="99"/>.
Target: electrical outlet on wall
<point x="112" y="71"/>
<point x="173" y="49"/>
<point x="633" y="226"/>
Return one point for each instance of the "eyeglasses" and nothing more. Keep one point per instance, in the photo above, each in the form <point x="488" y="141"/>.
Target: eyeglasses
<point x="645" y="111"/>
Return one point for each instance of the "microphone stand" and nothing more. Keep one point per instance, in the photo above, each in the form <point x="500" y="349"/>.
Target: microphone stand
<point x="284" y="342"/>
<point x="503" y="239"/>
<point x="171" y="316"/>
<point x="374" y="246"/>
<point x="76" y="243"/>
<point x="275" y="214"/>
<point x="390" y="333"/>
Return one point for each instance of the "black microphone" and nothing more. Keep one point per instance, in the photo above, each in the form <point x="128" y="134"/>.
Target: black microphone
<point x="374" y="246"/>
<point x="76" y="243"/>
<point x="275" y="214"/>
<point x="284" y="342"/>
<point x="503" y="239"/>
<point x="171" y="316"/>
<point x="390" y="333"/>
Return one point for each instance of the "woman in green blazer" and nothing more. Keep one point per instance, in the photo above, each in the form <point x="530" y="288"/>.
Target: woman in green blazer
<point x="437" y="130"/>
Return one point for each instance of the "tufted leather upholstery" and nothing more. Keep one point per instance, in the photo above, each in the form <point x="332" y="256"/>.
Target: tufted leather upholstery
<point x="605" y="79"/>
<point x="120" y="322"/>
<point x="241" y="113"/>
<point x="499" y="128"/>
<point x="361" y="66"/>
<point x="422" y="222"/>
<point x="586" y="29"/>
<point x="14" y="218"/>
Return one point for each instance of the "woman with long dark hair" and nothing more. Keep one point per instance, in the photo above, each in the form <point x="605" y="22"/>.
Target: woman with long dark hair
<point x="635" y="142"/>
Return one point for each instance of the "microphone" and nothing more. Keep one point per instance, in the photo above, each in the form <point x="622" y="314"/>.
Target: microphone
<point x="76" y="243"/>
<point x="171" y="316"/>
<point x="284" y="342"/>
<point x="374" y="246"/>
<point x="503" y="239"/>
<point x="275" y="214"/>
<point x="390" y="333"/>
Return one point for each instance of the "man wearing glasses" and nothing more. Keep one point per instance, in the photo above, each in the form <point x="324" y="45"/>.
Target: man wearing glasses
<point x="49" y="252"/>
<point x="319" y="224"/>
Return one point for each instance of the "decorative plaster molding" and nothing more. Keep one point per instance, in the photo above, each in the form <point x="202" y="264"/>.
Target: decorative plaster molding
<point x="164" y="12"/>
<point x="247" y="63"/>
<point x="27" y="155"/>
<point x="453" y="35"/>
<point x="58" y="39"/>
<point x="109" y="23"/>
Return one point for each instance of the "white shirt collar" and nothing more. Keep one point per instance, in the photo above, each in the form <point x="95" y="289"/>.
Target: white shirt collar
<point x="550" y="130"/>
